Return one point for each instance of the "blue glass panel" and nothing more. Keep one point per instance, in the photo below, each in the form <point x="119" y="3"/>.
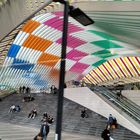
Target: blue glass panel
<point x="26" y="75"/>
<point x="31" y="75"/>
<point x="13" y="50"/>
<point x="23" y="65"/>
<point x="36" y="76"/>
<point x="41" y="82"/>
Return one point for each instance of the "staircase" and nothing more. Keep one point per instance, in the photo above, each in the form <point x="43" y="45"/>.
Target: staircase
<point x="15" y="132"/>
<point x="72" y="122"/>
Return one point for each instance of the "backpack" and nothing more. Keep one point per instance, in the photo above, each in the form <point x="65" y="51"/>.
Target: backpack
<point x="38" y="137"/>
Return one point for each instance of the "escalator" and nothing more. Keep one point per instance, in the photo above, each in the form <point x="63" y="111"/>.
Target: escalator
<point x="104" y="102"/>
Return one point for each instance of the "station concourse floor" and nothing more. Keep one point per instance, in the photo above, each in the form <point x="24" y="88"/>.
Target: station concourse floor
<point x="16" y="132"/>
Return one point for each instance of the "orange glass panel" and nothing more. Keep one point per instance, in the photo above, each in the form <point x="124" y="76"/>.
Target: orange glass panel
<point x="37" y="43"/>
<point x="30" y="26"/>
<point x="54" y="73"/>
<point x="48" y="59"/>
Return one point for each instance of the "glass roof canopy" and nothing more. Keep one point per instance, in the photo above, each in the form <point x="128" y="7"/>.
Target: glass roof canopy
<point x="33" y="58"/>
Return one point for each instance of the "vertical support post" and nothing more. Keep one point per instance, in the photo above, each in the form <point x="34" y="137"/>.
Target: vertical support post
<point x="62" y="72"/>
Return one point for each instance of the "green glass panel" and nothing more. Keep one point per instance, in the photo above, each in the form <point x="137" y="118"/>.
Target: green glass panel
<point x="99" y="63"/>
<point x="104" y="35"/>
<point x="107" y="55"/>
<point x="103" y="54"/>
<point x="106" y="44"/>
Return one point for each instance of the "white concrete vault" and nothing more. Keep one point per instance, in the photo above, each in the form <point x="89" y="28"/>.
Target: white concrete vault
<point x="34" y="55"/>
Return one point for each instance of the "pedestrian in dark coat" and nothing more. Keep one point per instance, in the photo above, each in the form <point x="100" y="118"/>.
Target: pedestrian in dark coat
<point x="44" y="130"/>
<point x="106" y="134"/>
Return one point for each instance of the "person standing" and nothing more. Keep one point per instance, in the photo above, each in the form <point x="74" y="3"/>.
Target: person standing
<point x="84" y="113"/>
<point x="106" y="134"/>
<point x="24" y="89"/>
<point x="44" y="130"/>
<point x="20" y="89"/>
<point x="110" y="120"/>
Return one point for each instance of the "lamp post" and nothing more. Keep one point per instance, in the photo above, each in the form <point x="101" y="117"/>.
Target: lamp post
<point x="62" y="71"/>
<point x="82" y="18"/>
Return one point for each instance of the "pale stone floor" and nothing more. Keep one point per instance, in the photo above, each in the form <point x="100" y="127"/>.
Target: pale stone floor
<point x="16" y="132"/>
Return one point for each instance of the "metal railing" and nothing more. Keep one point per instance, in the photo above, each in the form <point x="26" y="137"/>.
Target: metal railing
<point x="129" y="107"/>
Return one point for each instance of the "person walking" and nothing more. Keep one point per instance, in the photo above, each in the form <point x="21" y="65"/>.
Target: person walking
<point x="44" y="130"/>
<point x="110" y="120"/>
<point x="106" y="134"/>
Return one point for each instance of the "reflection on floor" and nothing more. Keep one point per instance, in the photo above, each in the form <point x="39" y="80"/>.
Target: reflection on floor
<point x="16" y="132"/>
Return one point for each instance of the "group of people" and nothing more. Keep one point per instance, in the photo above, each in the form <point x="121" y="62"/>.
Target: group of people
<point x="24" y="89"/>
<point x="28" y="98"/>
<point x="53" y="89"/>
<point x="47" y="120"/>
<point x="111" y="124"/>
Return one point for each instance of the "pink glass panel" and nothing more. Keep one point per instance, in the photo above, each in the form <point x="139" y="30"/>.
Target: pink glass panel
<point x="72" y="42"/>
<point x="76" y="55"/>
<point x="79" y="67"/>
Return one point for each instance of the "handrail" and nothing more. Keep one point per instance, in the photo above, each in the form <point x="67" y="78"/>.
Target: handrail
<point x="127" y="109"/>
<point x="129" y="101"/>
<point x="124" y="100"/>
<point x="126" y="105"/>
